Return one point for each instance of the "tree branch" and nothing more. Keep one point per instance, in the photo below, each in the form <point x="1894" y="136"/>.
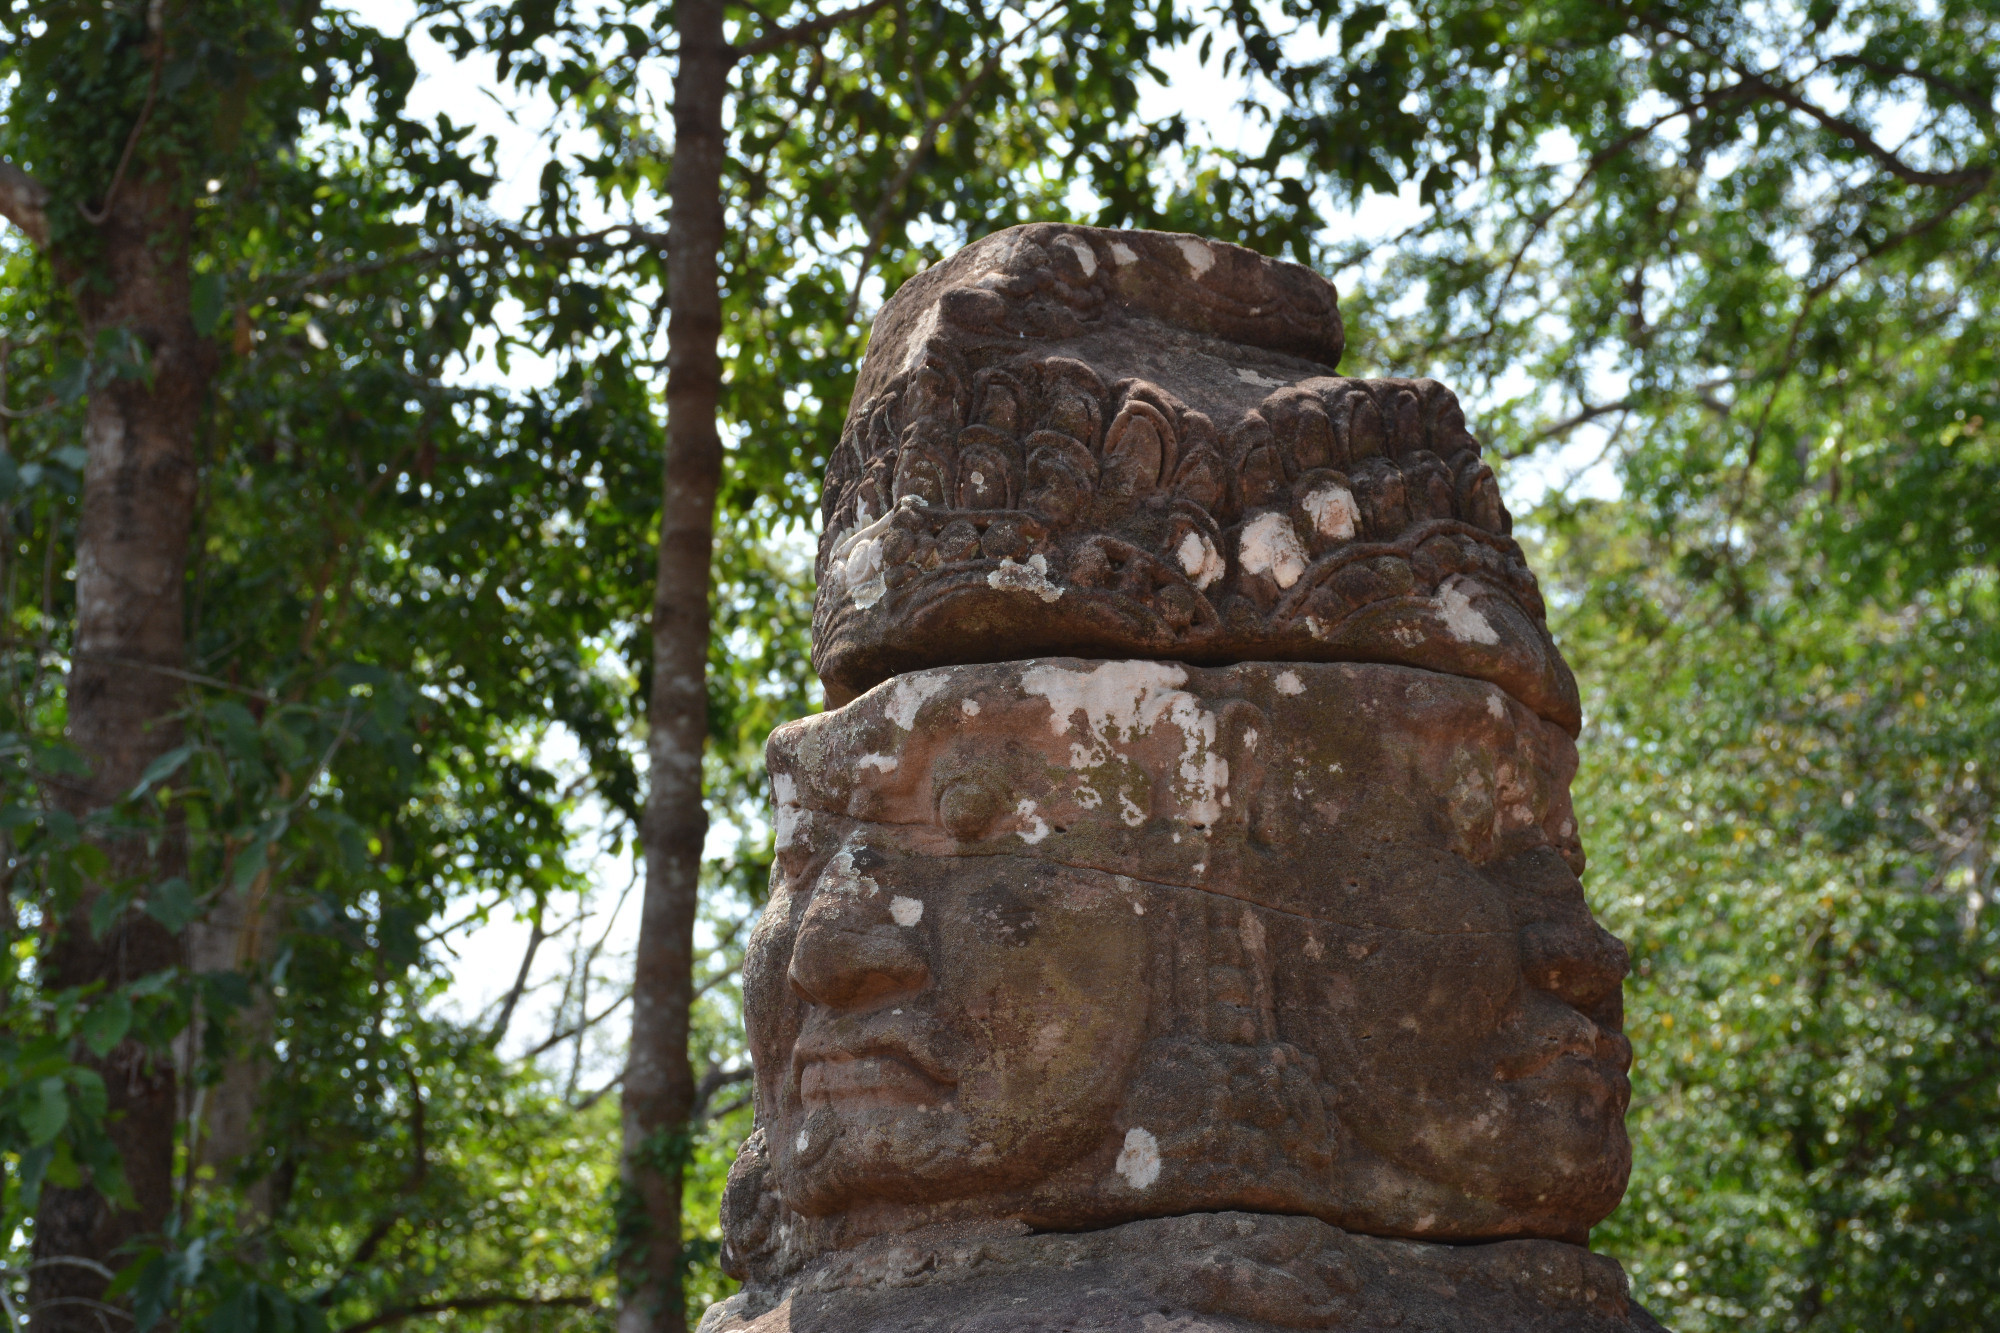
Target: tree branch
<point x="1558" y="429"/>
<point x="24" y="201"/>
<point x="1759" y="86"/>
<point x="397" y="1314"/>
<point x="714" y="1081"/>
<point x="878" y="224"/>
<point x="535" y="937"/>
<point x="298" y="281"/>
<point x="96" y="218"/>
<point x="798" y="32"/>
<point x="578" y="1028"/>
<point x="1861" y="139"/>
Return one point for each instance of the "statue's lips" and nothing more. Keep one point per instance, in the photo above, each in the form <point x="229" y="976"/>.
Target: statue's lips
<point x="1599" y="1078"/>
<point x="837" y="1066"/>
<point x="869" y="1081"/>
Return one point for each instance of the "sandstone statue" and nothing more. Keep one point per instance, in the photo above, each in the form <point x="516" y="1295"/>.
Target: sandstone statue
<point x="1176" y="923"/>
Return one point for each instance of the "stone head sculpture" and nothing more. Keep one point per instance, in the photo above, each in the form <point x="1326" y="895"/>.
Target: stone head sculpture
<point x="1191" y="831"/>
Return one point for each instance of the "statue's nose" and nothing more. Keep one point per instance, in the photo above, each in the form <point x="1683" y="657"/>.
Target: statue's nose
<point x="851" y="952"/>
<point x="1578" y="960"/>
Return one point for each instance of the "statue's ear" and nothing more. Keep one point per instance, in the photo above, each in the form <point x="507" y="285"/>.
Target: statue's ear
<point x="750" y="1208"/>
<point x="1242" y="734"/>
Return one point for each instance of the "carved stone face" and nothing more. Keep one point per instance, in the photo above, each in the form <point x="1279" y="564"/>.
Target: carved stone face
<point x="1075" y="942"/>
<point x="965" y="1027"/>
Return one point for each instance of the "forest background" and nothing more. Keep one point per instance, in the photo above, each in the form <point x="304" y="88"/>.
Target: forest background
<point x="1717" y="283"/>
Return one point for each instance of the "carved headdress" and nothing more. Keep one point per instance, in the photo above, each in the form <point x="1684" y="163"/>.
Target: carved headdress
<point x="1124" y="444"/>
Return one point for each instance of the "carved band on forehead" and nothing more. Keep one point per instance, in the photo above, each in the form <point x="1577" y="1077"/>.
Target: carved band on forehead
<point x="1047" y="281"/>
<point x="1277" y="781"/>
<point x="1130" y="444"/>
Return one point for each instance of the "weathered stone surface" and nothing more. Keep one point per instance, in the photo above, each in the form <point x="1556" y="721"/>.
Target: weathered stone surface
<point x="1209" y="1273"/>
<point x="1131" y="444"/>
<point x="1072" y="943"/>
<point x="1176" y="925"/>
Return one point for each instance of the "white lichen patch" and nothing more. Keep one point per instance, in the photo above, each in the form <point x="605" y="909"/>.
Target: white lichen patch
<point x="1089" y="797"/>
<point x="1139" y="1160"/>
<point x="1250" y="929"/>
<point x="906" y="911"/>
<point x="1122" y="254"/>
<point x="1121" y="700"/>
<point x="969" y="707"/>
<point x="1333" y="511"/>
<point x="1199" y="258"/>
<point x="801" y="1141"/>
<point x="1032" y="577"/>
<point x="855" y="563"/>
<point x="1037" y="827"/>
<point x="1407" y="635"/>
<point x="1270" y="546"/>
<point x="1117" y="699"/>
<point x="927" y="327"/>
<point x="1262" y="381"/>
<point x="786" y="794"/>
<point x="1495" y="707"/>
<point x="910" y="692"/>
<point x="885" y="762"/>
<point x="1289" y="683"/>
<point x="1462" y="619"/>
<point x="863" y="574"/>
<point x="1314" y="949"/>
<point x="842" y="877"/>
<point x="1199" y="559"/>
<point x="1130" y="812"/>
<point x="1083" y="254"/>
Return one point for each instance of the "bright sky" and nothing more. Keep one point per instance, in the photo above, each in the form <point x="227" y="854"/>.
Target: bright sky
<point x="489" y="956"/>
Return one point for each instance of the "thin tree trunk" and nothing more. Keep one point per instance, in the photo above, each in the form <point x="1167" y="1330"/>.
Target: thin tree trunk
<point x="131" y="563"/>
<point x="237" y="934"/>
<point x="658" y="1093"/>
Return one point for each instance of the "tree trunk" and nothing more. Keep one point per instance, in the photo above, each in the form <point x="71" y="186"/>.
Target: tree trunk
<point x="237" y="935"/>
<point x="658" y="1092"/>
<point x="131" y="563"/>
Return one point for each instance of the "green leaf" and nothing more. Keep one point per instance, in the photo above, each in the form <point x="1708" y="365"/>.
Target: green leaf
<point x="235" y="1313"/>
<point x="173" y="904"/>
<point x="250" y="863"/>
<point x="206" y="302"/>
<point x="106" y="1024"/>
<point x="72" y="378"/>
<point x="35" y="1163"/>
<point x="161" y="769"/>
<point x="45" y="1111"/>
<point x="91" y="1097"/>
<point x="152" y="983"/>
<point x="105" y="909"/>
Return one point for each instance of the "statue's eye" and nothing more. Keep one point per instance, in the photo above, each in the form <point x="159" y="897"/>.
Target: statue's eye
<point x="968" y="806"/>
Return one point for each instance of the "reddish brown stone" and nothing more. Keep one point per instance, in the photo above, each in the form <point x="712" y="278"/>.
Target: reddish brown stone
<point x="1178" y="928"/>
<point x="1208" y="1273"/>
<point x="1132" y="444"/>
<point x="1073" y="943"/>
